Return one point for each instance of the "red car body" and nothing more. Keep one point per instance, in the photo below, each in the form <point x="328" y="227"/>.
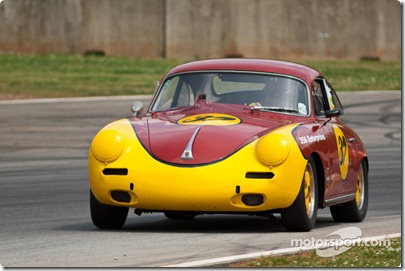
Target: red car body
<point x="207" y="112"/>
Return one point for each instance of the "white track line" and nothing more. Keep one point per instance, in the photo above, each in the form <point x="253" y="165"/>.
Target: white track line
<point x="283" y="251"/>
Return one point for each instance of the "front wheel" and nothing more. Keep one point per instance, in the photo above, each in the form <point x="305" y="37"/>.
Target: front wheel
<point x="107" y="216"/>
<point x="355" y="210"/>
<point x="301" y="215"/>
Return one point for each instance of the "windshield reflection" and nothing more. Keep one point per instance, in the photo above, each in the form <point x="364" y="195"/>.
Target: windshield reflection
<point x="260" y="91"/>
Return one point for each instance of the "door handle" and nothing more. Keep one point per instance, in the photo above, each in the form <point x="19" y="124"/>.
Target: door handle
<point x="351" y="140"/>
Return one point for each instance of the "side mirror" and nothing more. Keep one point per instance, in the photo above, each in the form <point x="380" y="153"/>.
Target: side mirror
<point x="334" y="112"/>
<point x="137" y="108"/>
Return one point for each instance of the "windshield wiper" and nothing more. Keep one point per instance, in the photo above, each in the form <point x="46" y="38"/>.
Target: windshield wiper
<point x="274" y="108"/>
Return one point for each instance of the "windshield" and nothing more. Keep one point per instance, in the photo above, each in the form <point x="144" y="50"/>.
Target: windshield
<point x="262" y="91"/>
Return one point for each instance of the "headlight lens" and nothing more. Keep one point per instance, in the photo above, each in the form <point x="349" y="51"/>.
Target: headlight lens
<point x="273" y="149"/>
<point x="107" y="146"/>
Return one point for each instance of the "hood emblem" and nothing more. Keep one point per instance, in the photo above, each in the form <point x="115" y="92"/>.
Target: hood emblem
<point x="188" y="151"/>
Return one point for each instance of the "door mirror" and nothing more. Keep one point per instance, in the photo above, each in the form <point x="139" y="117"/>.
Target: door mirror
<point x="137" y="108"/>
<point x="334" y="112"/>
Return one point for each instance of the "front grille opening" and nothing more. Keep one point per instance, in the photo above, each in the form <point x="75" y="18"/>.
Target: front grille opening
<point x="121" y="196"/>
<point x="259" y="175"/>
<point x="115" y="171"/>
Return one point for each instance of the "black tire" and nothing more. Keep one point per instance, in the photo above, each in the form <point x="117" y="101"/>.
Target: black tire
<point x="107" y="216"/>
<point x="301" y="215"/>
<point x="179" y="215"/>
<point x="355" y="210"/>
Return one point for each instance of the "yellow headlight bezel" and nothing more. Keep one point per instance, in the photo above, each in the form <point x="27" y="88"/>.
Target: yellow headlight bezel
<point x="107" y="146"/>
<point x="273" y="149"/>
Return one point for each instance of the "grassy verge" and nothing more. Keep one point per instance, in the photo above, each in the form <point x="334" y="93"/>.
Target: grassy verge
<point x="378" y="256"/>
<point x="360" y="75"/>
<point x="75" y="76"/>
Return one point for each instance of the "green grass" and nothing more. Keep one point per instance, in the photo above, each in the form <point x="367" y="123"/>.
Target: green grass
<point x="360" y="75"/>
<point x="378" y="256"/>
<point x="74" y="76"/>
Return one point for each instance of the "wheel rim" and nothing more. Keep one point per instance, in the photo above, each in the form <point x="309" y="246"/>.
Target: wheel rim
<point x="309" y="190"/>
<point x="360" y="188"/>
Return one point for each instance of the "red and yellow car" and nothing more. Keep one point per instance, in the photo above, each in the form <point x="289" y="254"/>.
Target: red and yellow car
<point x="240" y="136"/>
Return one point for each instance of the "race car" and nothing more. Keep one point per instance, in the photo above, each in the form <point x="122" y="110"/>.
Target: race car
<point x="232" y="136"/>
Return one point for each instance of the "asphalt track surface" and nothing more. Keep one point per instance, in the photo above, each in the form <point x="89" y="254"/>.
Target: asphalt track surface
<point x="44" y="192"/>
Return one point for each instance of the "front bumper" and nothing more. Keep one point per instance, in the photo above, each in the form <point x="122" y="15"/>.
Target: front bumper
<point x="137" y="180"/>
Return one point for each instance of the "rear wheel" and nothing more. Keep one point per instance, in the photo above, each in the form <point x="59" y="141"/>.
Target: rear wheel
<point x="355" y="210"/>
<point x="301" y="215"/>
<point x="107" y="216"/>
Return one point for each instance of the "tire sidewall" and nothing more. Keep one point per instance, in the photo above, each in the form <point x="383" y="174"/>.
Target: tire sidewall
<point x="295" y="217"/>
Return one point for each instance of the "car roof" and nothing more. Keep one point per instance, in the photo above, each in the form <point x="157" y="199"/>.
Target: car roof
<point x="255" y="65"/>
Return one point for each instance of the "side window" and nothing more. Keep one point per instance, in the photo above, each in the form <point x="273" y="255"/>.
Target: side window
<point x="325" y="97"/>
<point x="319" y="99"/>
<point x="332" y="97"/>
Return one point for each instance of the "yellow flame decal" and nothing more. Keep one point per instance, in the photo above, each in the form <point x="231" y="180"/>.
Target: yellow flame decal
<point x="210" y="119"/>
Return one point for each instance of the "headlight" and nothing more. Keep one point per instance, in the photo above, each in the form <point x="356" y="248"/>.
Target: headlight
<point x="107" y="146"/>
<point x="273" y="149"/>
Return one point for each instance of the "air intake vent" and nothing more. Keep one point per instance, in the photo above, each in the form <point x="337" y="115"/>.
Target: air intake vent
<point x="259" y="175"/>
<point x="115" y="171"/>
